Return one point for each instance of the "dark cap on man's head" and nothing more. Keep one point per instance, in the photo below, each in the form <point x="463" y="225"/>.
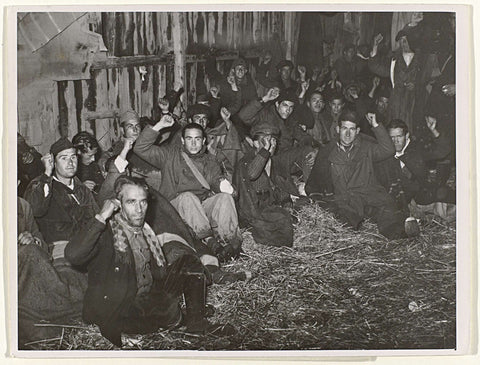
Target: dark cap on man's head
<point x="264" y="128"/>
<point x="284" y="63"/>
<point x="239" y="62"/>
<point x="288" y="94"/>
<point x="60" y="145"/>
<point x="348" y="116"/>
<point x="199" y="109"/>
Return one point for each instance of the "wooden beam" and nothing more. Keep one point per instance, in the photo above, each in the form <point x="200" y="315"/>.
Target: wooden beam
<point x="224" y="56"/>
<point x="100" y="114"/>
<point x="129" y="61"/>
<point x="179" y="45"/>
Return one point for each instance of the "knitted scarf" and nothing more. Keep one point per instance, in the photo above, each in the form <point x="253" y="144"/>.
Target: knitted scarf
<point x="120" y="242"/>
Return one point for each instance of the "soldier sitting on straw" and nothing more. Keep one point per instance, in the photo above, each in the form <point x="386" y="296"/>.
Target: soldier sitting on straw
<point x="357" y="192"/>
<point x="131" y="289"/>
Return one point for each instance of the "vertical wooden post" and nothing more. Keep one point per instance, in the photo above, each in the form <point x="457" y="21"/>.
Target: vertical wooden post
<point x="102" y="126"/>
<point x="211" y="28"/>
<point x="179" y="46"/>
<point x="288" y="35"/>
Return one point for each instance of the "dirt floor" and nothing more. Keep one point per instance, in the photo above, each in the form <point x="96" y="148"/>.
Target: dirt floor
<point x="335" y="289"/>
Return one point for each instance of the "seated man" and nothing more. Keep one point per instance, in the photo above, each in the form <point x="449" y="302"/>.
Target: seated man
<point x="262" y="191"/>
<point x="223" y="140"/>
<point x="357" y="192"/>
<point x="131" y="128"/>
<point x="235" y="89"/>
<point x="130" y="287"/>
<point x="88" y="169"/>
<point x="406" y="175"/>
<point x="193" y="183"/>
<point x="321" y="127"/>
<point x="58" y="198"/>
<point x="49" y="287"/>
<point x="29" y="164"/>
<point x="166" y="222"/>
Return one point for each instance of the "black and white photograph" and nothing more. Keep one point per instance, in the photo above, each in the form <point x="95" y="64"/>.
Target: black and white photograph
<point x="239" y="180"/>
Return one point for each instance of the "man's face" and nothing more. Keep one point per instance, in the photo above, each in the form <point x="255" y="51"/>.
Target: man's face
<point x="399" y="138"/>
<point x="349" y="53"/>
<point x="337" y="106"/>
<point x="266" y="140"/>
<point x="382" y="105"/>
<point x="353" y="92"/>
<point x="131" y="129"/>
<point x="200" y="119"/>
<point x="285" y="108"/>
<point x="240" y="72"/>
<point x="316" y="103"/>
<point x="348" y="132"/>
<point x="66" y="163"/>
<point x="133" y="204"/>
<point x="88" y="157"/>
<point x="285" y="72"/>
<point x="193" y="141"/>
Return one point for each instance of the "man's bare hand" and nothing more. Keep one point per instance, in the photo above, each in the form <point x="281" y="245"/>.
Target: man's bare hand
<point x="449" y="89"/>
<point x="305" y="85"/>
<point x="377" y="40"/>
<point x="232" y="82"/>
<point x="310" y="158"/>
<point x="165" y="122"/>
<point x="49" y="163"/>
<point x="271" y="94"/>
<point x="225" y="114"/>
<point x="109" y="207"/>
<point x="267" y="58"/>
<point x="89" y="184"/>
<point x="273" y="145"/>
<point x="214" y="90"/>
<point x="372" y="119"/>
<point x="163" y="103"/>
<point x="26" y="238"/>
<point x="302" y="71"/>
<point x="432" y="125"/>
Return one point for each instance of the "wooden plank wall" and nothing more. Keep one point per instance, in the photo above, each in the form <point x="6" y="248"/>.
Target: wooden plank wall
<point x="113" y="90"/>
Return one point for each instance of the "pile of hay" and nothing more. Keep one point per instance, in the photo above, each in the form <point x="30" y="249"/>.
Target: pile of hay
<point x="335" y="289"/>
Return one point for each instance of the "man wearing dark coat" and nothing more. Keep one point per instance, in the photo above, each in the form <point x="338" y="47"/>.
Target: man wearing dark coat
<point x="236" y="88"/>
<point x="50" y="288"/>
<point x="262" y="191"/>
<point x="406" y="175"/>
<point x="356" y="190"/>
<point x="131" y="289"/>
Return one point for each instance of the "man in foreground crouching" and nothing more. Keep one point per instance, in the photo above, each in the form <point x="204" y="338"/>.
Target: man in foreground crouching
<point x="131" y="289"/>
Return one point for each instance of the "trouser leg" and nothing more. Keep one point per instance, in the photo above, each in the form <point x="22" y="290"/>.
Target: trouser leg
<point x="193" y="213"/>
<point x="222" y="214"/>
<point x="390" y="221"/>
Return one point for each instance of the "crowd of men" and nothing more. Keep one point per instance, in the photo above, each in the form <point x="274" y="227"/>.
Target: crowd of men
<point x="117" y="237"/>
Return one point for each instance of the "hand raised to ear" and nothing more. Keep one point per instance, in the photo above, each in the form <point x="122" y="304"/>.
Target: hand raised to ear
<point x="109" y="207"/>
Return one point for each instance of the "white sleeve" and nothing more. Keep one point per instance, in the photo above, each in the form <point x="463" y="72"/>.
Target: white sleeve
<point x="120" y="164"/>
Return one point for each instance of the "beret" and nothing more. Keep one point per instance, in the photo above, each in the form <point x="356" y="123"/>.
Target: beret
<point x="284" y="63"/>
<point x="239" y="62"/>
<point x="60" y="145"/>
<point x="199" y="109"/>
<point x="288" y="94"/>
